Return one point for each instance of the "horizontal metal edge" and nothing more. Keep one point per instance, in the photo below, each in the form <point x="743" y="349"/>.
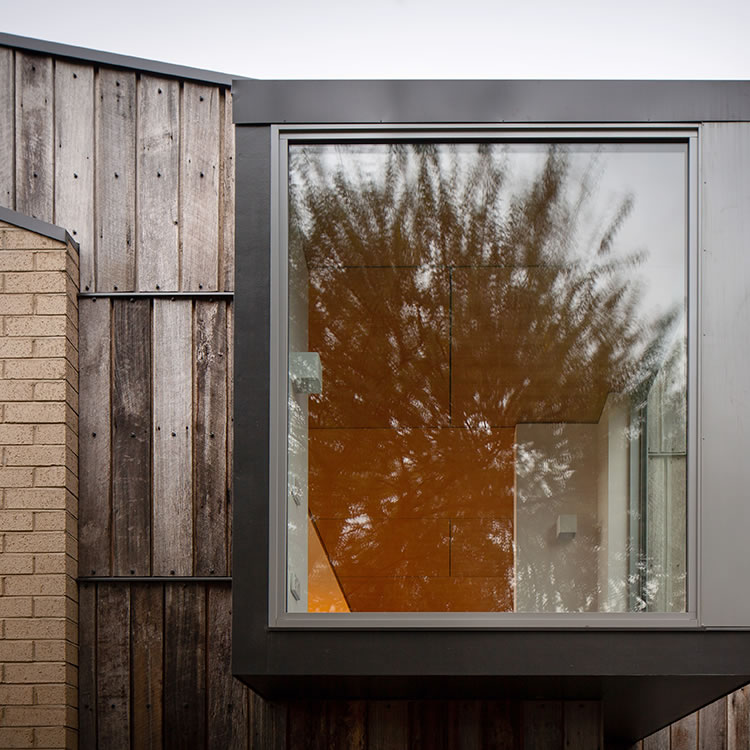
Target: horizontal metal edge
<point x="22" y="221"/>
<point x="258" y="102"/>
<point x="172" y="295"/>
<point x="85" y="54"/>
<point x="154" y="579"/>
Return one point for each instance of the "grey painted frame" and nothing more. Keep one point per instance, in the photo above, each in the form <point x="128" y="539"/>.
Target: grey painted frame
<point x="278" y="617"/>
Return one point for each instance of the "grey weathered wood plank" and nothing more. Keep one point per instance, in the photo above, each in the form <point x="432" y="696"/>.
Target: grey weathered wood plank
<point x="95" y="502"/>
<point x="74" y="160"/>
<point x="172" y="436"/>
<point x="738" y="719"/>
<point x="87" y="690"/>
<point x="115" y="180"/>
<point x="684" y="733"/>
<point x="658" y="740"/>
<point x="113" y="667"/>
<point x="210" y="439"/>
<point x="131" y="437"/>
<point x="542" y="725"/>
<point x="7" y="128"/>
<point x="34" y="136"/>
<point x="712" y="726"/>
<point x="387" y="725"/>
<point x="227" y="194"/>
<point x="158" y="149"/>
<point x="199" y="181"/>
<point x="147" y="645"/>
<point x="184" y="666"/>
<point x="230" y="431"/>
<point x="583" y="725"/>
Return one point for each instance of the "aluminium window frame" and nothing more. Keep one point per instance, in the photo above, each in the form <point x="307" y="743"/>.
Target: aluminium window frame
<point x="281" y="137"/>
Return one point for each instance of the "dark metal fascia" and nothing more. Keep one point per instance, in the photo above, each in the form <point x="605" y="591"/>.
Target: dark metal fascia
<point x="84" y="54"/>
<point x="22" y="221"/>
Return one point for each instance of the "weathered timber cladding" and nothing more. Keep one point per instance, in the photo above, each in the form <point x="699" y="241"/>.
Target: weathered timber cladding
<point x="7" y="128"/>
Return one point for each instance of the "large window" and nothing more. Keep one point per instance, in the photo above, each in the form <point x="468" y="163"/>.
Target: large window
<point x="485" y="406"/>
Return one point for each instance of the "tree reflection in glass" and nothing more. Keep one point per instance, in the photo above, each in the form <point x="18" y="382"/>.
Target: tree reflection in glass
<point x="502" y="335"/>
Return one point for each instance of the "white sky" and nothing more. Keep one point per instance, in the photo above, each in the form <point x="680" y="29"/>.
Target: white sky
<point x="408" y="38"/>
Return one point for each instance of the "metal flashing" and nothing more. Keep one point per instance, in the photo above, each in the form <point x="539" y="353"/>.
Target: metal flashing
<point x="85" y="54"/>
<point x="22" y="221"/>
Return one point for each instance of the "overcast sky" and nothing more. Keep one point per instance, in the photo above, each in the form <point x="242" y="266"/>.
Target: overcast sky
<point x="408" y="38"/>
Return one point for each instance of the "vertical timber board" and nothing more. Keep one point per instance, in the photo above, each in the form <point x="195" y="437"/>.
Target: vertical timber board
<point x="268" y="723"/>
<point x="388" y="725"/>
<point x="583" y="725"/>
<point x="428" y="725"/>
<point x="210" y="439"/>
<point x="347" y="724"/>
<point x="115" y="180"/>
<point x="147" y="646"/>
<point x="74" y="160"/>
<point x="501" y="724"/>
<point x="185" y="666"/>
<point x="35" y="171"/>
<point x="113" y="666"/>
<point x="7" y="128"/>
<point x="465" y="725"/>
<point x="230" y="431"/>
<point x="227" y="697"/>
<point x="227" y="193"/>
<point x="95" y="502"/>
<point x="658" y="740"/>
<point x="158" y="149"/>
<point x="712" y="726"/>
<point x="87" y="689"/>
<point x="199" y="184"/>
<point x="684" y="733"/>
<point x="172" y="436"/>
<point x="738" y="719"/>
<point x="131" y="433"/>
<point x="542" y="725"/>
<point x="307" y="724"/>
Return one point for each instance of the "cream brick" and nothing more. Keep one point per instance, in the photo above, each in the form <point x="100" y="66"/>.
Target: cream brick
<point x="23" y="239"/>
<point x="16" y="564"/>
<point x="16" y="520"/>
<point x="16" y="347"/>
<point x="16" y="606"/>
<point x="36" y="369"/>
<point x="16" y="434"/>
<point x="30" y="412"/>
<point x="55" y="650"/>
<point x="35" y="716"/>
<point x="18" y="695"/>
<point x="50" y="347"/>
<point x="35" y="455"/>
<point x="35" y="325"/>
<point x="52" y="434"/>
<point x="50" y="260"/>
<point x="56" y="737"/>
<point x="36" y="628"/>
<point x="35" y="585"/>
<point x="55" y="606"/>
<point x="51" y="695"/>
<point x="16" y="261"/>
<point x="50" y="476"/>
<point x="17" y="304"/>
<point x="16" y="390"/>
<point x="16" y="477"/>
<point x="41" y="498"/>
<point x="36" y="541"/>
<point x="36" y="672"/>
<point x="54" y="520"/>
<point x="12" y="651"/>
<point x="16" y="737"/>
<point x="51" y="304"/>
<point x="53" y="562"/>
<point x="36" y="281"/>
<point x="52" y="390"/>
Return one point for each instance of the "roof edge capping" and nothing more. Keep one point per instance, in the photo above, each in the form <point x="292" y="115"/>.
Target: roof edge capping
<point x="85" y="54"/>
<point x="31" y="224"/>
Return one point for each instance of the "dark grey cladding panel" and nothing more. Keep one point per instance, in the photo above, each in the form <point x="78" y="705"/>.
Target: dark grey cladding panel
<point x="267" y="102"/>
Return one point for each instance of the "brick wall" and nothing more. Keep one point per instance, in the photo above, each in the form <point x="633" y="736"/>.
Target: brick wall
<point x="38" y="490"/>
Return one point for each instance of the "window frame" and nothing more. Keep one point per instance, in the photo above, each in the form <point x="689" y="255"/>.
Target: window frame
<point x="278" y="617"/>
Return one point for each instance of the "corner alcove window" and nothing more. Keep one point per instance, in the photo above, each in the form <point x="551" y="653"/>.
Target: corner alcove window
<point x="482" y="403"/>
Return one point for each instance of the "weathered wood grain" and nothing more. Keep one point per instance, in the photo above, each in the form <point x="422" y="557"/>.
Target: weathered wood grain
<point x="35" y="171"/>
<point x="113" y="667"/>
<point x="226" y="195"/>
<point x="115" y="180"/>
<point x="230" y="431"/>
<point x="94" y="444"/>
<point x="7" y="128"/>
<point x="712" y="726"/>
<point x="347" y="724"/>
<point x="428" y="725"/>
<point x="657" y="741"/>
<point x="172" y="436"/>
<point x="583" y="725"/>
<point x="501" y="724"/>
<point x="388" y="725"/>
<point x="465" y="719"/>
<point x="184" y="666"/>
<point x="307" y="723"/>
<point x="227" y="697"/>
<point x="131" y="433"/>
<point x="738" y="719"/>
<point x="199" y="181"/>
<point x="147" y="607"/>
<point x="74" y="160"/>
<point x="210" y="439"/>
<point x="158" y="179"/>
<point x="267" y="723"/>
<point x="684" y="733"/>
<point x="542" y="727"/>
<point x="87" y="691"/>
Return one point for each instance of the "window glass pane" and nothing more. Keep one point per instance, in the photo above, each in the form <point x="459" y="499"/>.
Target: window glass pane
<point x="487" y="377"/>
